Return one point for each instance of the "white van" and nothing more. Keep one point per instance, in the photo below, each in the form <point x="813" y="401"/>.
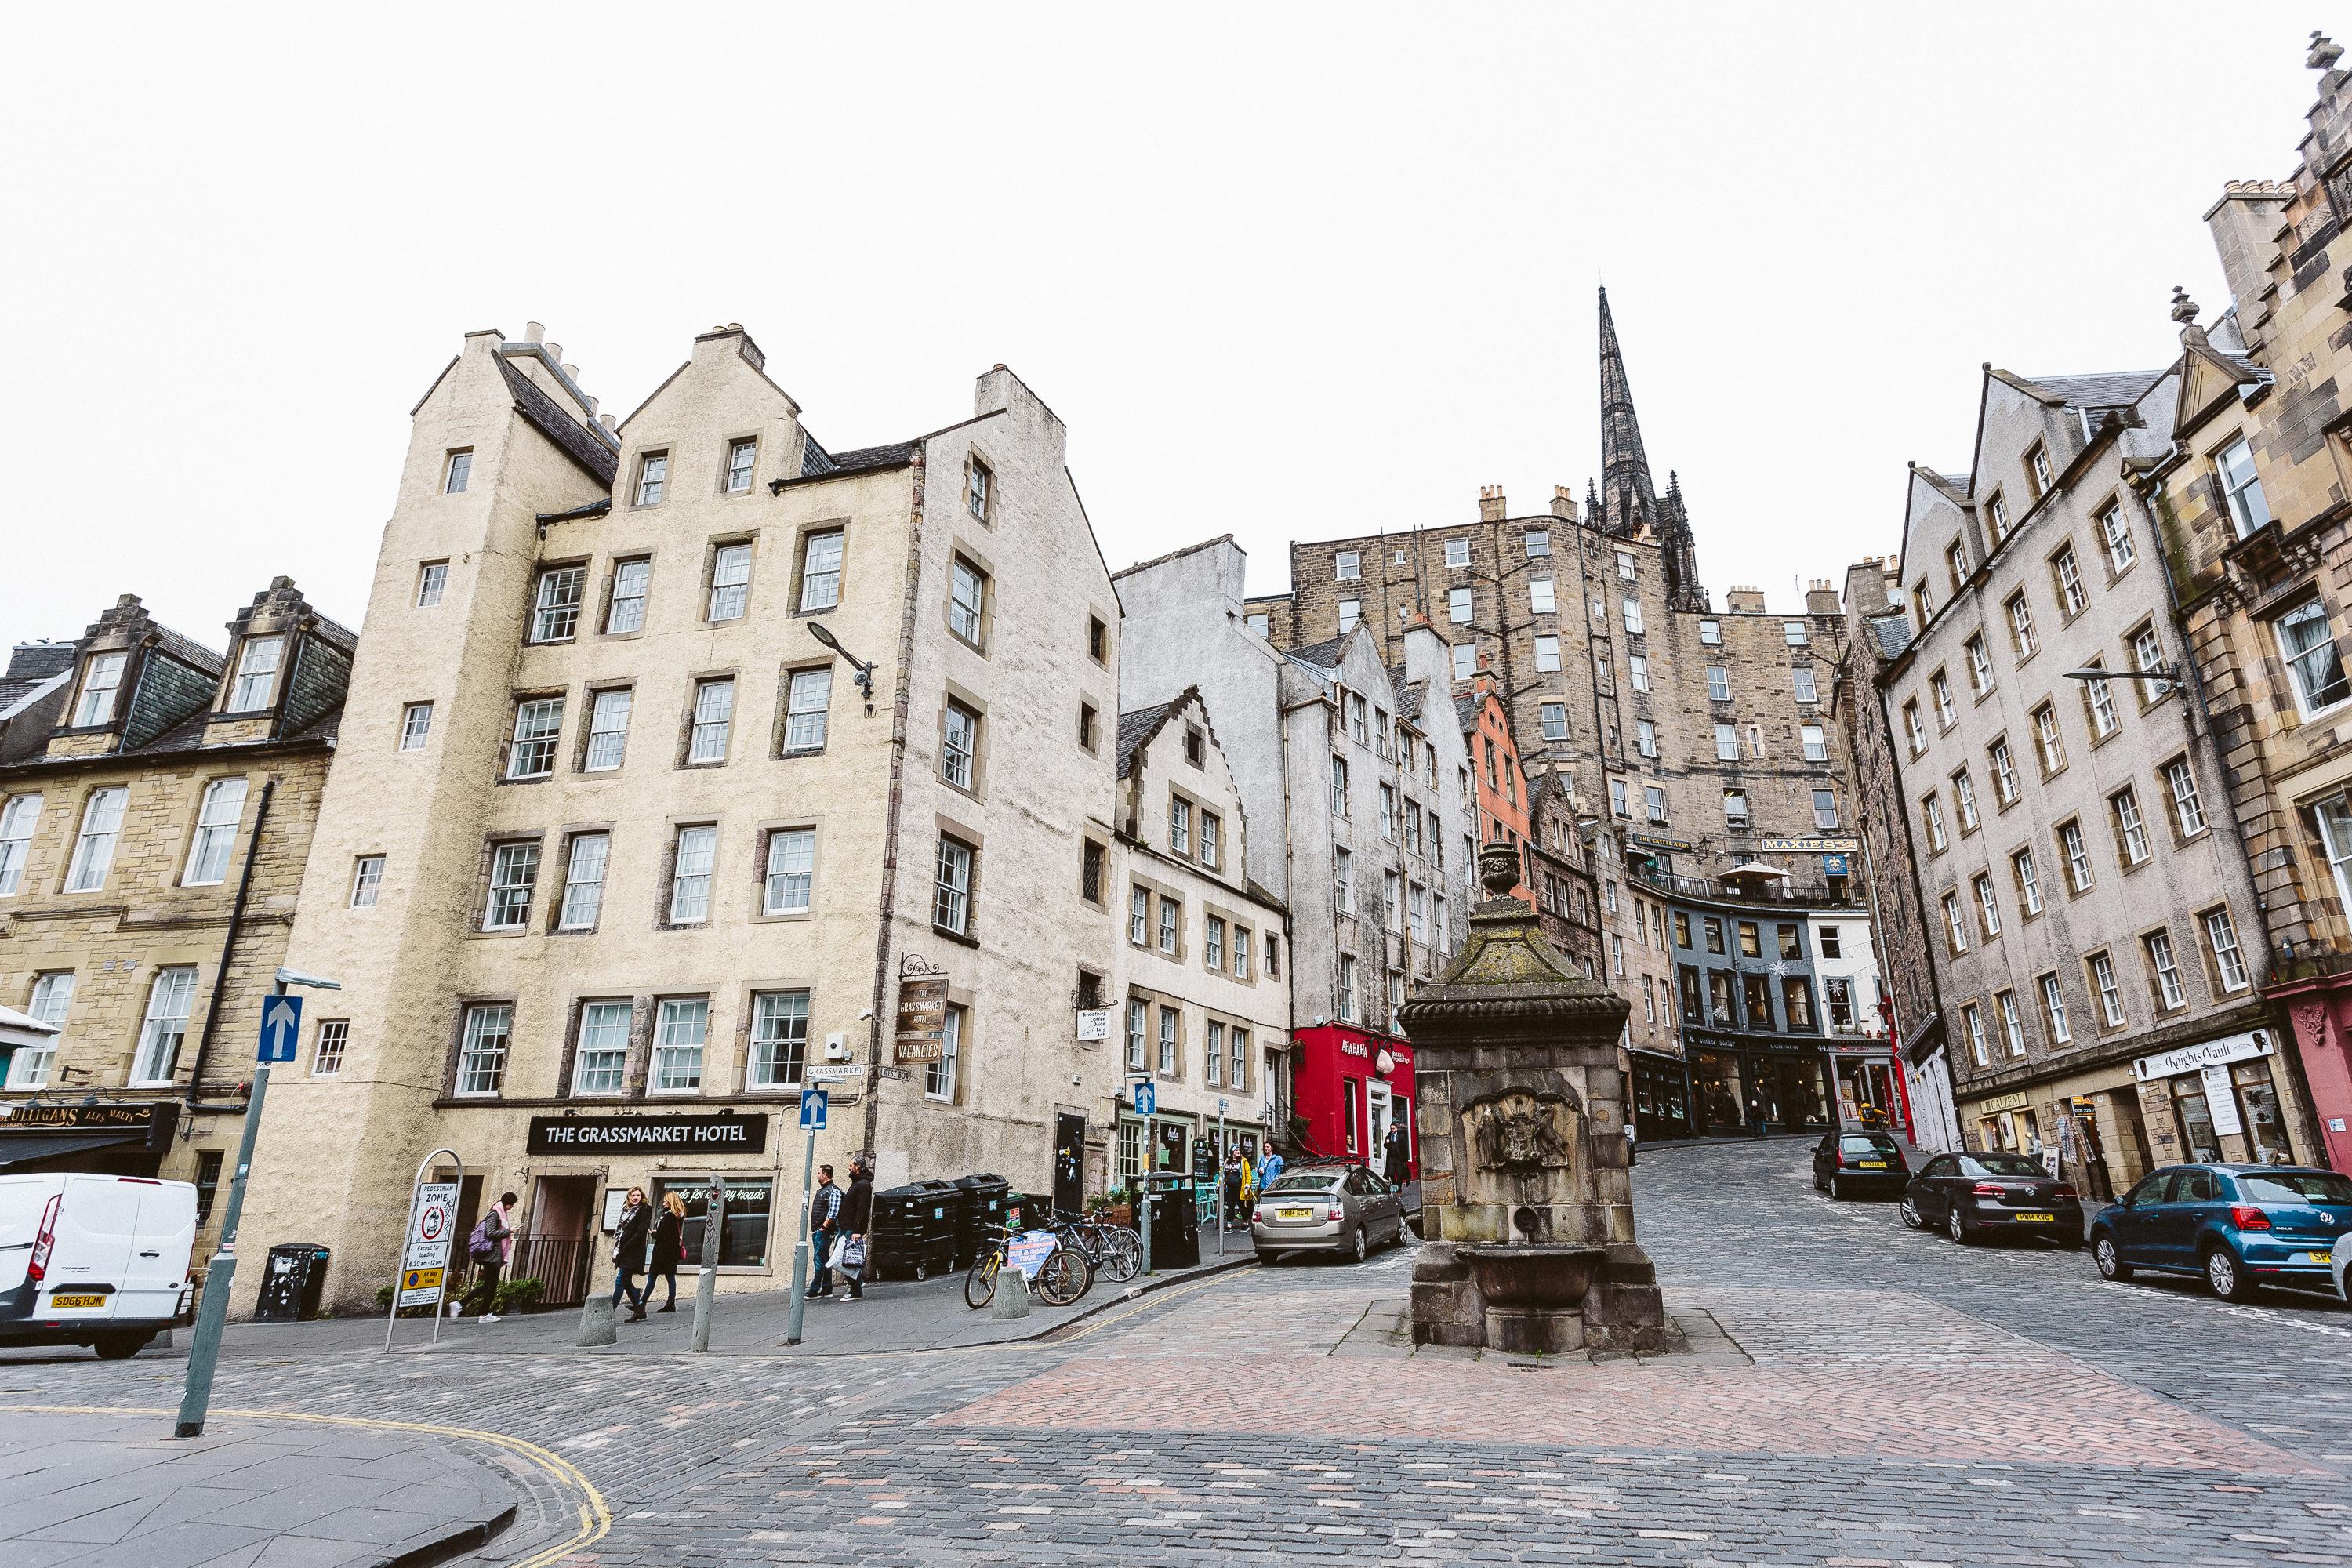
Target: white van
<point x="93" y="1260"/>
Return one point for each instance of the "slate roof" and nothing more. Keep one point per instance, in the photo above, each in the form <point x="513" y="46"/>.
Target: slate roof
<point x="1323" y="655"/>
<point x="1465" y="710"/>
<point x="569" y="435"/>
<point x="2111" y="389"/>
<point x="816" y="460"/>
<point x="25" y="741"/>
<point x="1894" y="633"/>
<point x="29" y="665"/>
<point x="1408" y="698"/>
<point x="1135" y="732"/>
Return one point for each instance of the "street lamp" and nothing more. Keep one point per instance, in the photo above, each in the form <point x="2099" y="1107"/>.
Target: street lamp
<point x="2164" y="675"/>
<point x="865" y="671"/>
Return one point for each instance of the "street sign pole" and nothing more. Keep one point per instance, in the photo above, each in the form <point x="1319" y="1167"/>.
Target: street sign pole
<point x="1223" y="1154"/>
<point x="813" y="1110"/>
<point x="408" y="1244"/>
<point x="706" y="1287"/>
<point x="281" y="1029"/>
<point x="1146" y="1102"/>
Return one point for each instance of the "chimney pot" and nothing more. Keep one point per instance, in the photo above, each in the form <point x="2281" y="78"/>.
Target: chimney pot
<point x="572" y="371"/>
<point x="611" y="422"/>
<point x="532" y="331"/>
<point x="554" y="351"/>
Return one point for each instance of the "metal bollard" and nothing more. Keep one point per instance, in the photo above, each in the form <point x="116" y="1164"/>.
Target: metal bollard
<point x="599" y="1322"/>
<point x="1011" y="1293"/>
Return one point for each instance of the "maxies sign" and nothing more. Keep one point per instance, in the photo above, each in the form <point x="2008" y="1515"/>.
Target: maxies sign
<point x="655" y="1134"/>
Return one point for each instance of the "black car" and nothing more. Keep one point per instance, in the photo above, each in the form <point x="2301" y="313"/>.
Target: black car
<point x="1974" y="1195"/>
<point x="1848" y="1163"/>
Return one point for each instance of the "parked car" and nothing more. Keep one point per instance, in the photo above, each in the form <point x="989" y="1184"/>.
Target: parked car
<point x="2240" y="1226"/>
<point x="93" y="1260"/>
<point x="1344" y="1210"/>
<point x="1973" y="1195"/>
<point x="1847" y="1163"/>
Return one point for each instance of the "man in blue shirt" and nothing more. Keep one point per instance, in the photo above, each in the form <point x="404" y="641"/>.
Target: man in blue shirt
<point x="1269" y="1166"/>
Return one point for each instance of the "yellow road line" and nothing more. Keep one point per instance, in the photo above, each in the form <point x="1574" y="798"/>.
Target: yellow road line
<point x="595" y="1518"/>
<point x="1154" y="1299"/>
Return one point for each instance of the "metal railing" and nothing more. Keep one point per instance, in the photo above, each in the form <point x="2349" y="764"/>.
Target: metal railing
<point x="559" y="1263"/>
<point x="1766" y="891"/>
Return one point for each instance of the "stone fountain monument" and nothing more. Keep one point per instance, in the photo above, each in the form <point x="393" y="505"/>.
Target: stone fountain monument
<point x="1526" y="1200"/>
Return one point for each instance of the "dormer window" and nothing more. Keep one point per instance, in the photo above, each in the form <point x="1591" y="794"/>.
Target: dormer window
<point x="257" y="673"/>
<point x="99" y="683"/>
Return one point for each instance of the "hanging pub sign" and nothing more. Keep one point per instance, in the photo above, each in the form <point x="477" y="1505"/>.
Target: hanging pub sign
<point x="1659" y="841"/>
<point x="155" y="1118"/>
<point x="922" y="1018"/>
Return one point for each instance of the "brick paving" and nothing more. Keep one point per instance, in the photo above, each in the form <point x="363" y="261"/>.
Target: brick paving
<point x="1885" y="1398"/>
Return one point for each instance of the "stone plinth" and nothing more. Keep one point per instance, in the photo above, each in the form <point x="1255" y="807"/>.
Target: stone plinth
<point x="1526" y="1195"/>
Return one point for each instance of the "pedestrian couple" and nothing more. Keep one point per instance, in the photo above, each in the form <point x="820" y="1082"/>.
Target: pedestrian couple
<point x="650" y="1241"/>
<point x="838" y="1222"/>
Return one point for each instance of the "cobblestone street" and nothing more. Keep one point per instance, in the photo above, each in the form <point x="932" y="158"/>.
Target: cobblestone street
<point x="1884" y="1398"/>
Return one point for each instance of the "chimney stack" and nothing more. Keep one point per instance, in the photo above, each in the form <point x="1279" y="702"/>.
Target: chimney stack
<point x="1564" y="503"/>
<point x="1492" y="507"/>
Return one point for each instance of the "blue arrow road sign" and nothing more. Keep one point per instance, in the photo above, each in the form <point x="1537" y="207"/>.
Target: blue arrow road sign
<point x="813" y="1103"/>
<point x="281" y="1029"/>
<point x="1147" y="1098"/>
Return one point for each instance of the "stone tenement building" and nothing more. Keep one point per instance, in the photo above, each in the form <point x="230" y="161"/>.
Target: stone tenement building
<point x="1878" y="628"/>
<point x="684" y="757"/>
<point x="2254" y="500"/>
<point x="1698" y="741"/>
<point x="157" y="802"/>
<point x="1353" y="773"/>
<point x="2089" y="908"/>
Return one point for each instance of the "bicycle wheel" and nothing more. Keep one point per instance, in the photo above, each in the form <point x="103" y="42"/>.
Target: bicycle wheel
<point x="1064" y="1278"/>
<point x="1122" y="1252"/>
<point x="980" y="1285"/>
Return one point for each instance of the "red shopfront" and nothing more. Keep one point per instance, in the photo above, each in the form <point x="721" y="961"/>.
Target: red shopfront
<point x="1348" y="1088"/>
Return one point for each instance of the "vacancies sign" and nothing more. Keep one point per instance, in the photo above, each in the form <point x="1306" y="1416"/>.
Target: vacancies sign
<point x="650" y="1134"/>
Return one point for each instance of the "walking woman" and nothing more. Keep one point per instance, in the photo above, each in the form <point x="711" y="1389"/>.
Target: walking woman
<point x="629" y="1251"/>
<point x="669" y="1246"/>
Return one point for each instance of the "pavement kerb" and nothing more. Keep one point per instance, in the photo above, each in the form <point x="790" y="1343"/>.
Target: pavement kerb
<point x="1133" y="1295"/>
<point x="594" y="1516"/>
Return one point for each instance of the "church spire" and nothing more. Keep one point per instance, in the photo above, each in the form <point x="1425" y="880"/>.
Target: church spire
<point x="1628" y="495"/>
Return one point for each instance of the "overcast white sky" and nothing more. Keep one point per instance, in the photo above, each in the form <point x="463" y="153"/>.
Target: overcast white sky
<point x="1287" y="272"/>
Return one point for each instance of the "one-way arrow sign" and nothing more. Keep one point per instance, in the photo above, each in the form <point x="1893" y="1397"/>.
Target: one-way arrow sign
<point x="281" y="1029"/>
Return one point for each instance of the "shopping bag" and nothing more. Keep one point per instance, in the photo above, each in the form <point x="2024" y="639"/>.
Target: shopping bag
<point x="853" y="1255"/>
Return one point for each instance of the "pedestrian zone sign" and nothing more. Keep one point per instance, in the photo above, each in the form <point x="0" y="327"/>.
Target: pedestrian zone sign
<point x="425" y="1256"/>
<point x="813" y="1105"/>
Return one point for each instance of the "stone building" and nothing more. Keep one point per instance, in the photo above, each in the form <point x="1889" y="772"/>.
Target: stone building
<point x="688" y="763"/>
<point x="1698" y="741"/>
<point x="2089" y="911"/>
<point x="1199" y="999"/>
<point x="1357" y="758"/>
<point x="1561" y="876"/>
<point x="157" y="802"/>
<point x="1878" y="628"/>
<point x="2251" y="495"/>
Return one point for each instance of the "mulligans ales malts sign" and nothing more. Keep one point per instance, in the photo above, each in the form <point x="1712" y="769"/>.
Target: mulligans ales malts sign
<point x="654" y="1134"/>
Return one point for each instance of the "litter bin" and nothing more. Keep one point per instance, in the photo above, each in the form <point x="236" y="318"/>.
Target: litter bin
<point x="914" y="1234"/>
<point x="293" y="1283"/>
<point x="1175" y="1222"/>
<point x="983" y="1212"/>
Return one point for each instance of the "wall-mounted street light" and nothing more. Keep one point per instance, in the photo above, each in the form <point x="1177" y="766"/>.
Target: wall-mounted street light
<point x="865" y="671"/>
<point x="2164" y="675"/>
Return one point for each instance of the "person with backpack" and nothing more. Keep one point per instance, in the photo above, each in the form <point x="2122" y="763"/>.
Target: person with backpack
<point x="668" y="1249"/>
<point x="487" y="1250"/>
<point x="629" y="1238"/>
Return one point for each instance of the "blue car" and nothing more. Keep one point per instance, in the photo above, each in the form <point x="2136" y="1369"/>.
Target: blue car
<point x="2240" y="1226"/>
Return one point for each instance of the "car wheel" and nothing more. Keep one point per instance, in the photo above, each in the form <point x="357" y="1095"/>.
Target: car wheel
<point x="1269" y="1259"/>
<point x="119" y="1347"/>
<point x="1833" y="1189"/>
<point x="2228" y="1279"/>
<point x="1910" y="1213"/>
<point x="1956" y="1227"/>
<point x="2110" y="1259"/>
<point x="1359" y="1248"/>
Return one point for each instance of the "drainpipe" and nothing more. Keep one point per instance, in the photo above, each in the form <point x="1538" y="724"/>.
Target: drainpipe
<point x="889" y="902"/>
<point x="228" y="948"/>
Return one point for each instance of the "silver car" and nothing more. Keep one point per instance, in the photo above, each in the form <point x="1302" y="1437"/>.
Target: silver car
<point x="1342" y="1209"/>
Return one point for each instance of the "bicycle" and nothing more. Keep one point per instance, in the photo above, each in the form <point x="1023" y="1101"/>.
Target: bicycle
<point x="1065" y="1275"/>
<point x="1114" y="1251"/>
